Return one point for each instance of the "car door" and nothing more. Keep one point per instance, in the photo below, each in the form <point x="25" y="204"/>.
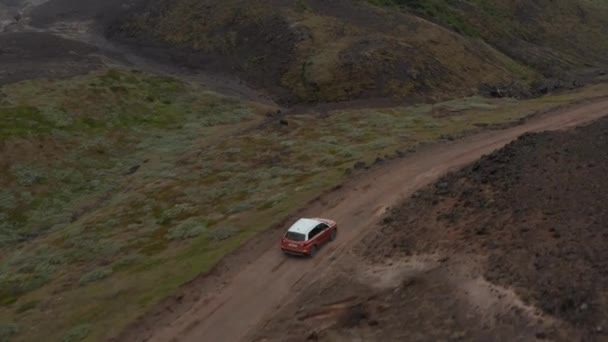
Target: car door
<point x="325" y="233"/>
<point x="315" y="236"/>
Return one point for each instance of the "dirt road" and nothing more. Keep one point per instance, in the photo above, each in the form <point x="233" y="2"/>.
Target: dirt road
<point x="265" y="282"/>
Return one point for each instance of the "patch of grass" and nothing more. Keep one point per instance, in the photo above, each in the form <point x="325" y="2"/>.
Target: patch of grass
<point x="27" y="306"/>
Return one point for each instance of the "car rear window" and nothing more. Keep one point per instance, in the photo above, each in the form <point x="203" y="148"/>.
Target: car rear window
<point x="295" y="236"/>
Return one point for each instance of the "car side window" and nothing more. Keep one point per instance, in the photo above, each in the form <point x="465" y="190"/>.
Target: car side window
<point x="314" y="233"/>
<point x="323" y="226"/>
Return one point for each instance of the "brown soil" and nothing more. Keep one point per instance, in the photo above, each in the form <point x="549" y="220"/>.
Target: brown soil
<point x="423" y="298"/>
<point x="248" y="293"/>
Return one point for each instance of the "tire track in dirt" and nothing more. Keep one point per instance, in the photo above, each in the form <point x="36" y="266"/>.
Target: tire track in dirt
<point x="269" y="282"/>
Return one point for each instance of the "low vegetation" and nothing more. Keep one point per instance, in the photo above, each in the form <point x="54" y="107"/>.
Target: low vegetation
<point x="119" y="186"/>
<point x="523" y="30"/>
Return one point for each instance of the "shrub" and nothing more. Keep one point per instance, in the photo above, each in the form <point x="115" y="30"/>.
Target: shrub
<point x="90" y="247"/>
<point x="7" y="200"/>
<point x="303" y="6"/>
<point x="95" y="275"/>
<point x="7" y="330"/>
<point x="288" y="143"/>
<point x="23" y="273"/>
<point x="27" y="175"/>
<point x="77" y="333"/>
<point x="378" y="144"/>
<point x="327" y="161"/>
<point x="233" y="151"/>
<point x="224" y="116"/>
<point x="214" y="195"/>
<point x="129" y="260"/>
<point x="223" y="233"/>
<point x="176" y="212"/>
<point x="27" y="306"/>
<point x="58" y="118"/>
<point x="188" y="229"/>
<point x="346" y="153"/>
<point x="9" y="234"/>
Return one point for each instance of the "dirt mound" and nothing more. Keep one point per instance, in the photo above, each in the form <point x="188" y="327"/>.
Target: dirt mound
<point x="28" y="55"/>
<point x="535" y="211"/>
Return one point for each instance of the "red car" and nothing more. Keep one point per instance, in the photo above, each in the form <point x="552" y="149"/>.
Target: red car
<point x="306" y="236"/>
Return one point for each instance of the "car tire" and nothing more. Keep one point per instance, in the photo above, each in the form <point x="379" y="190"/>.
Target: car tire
<point x="313" y="251"/>
<point x="333" y="234"/>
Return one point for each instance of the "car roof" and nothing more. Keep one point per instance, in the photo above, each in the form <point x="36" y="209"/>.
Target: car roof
<point x="304" y="225"/>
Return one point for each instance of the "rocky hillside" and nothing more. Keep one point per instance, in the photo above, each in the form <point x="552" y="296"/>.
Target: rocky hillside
<point x="325" y="51"/>
<point x="535" y="211"/>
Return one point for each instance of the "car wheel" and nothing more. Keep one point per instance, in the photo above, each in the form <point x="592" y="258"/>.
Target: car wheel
<point x="332" y="237"/>
<point x="313" y="250"/>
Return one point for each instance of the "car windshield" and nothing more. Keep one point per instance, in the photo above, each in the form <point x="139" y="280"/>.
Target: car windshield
<point x="293" y="236"/>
